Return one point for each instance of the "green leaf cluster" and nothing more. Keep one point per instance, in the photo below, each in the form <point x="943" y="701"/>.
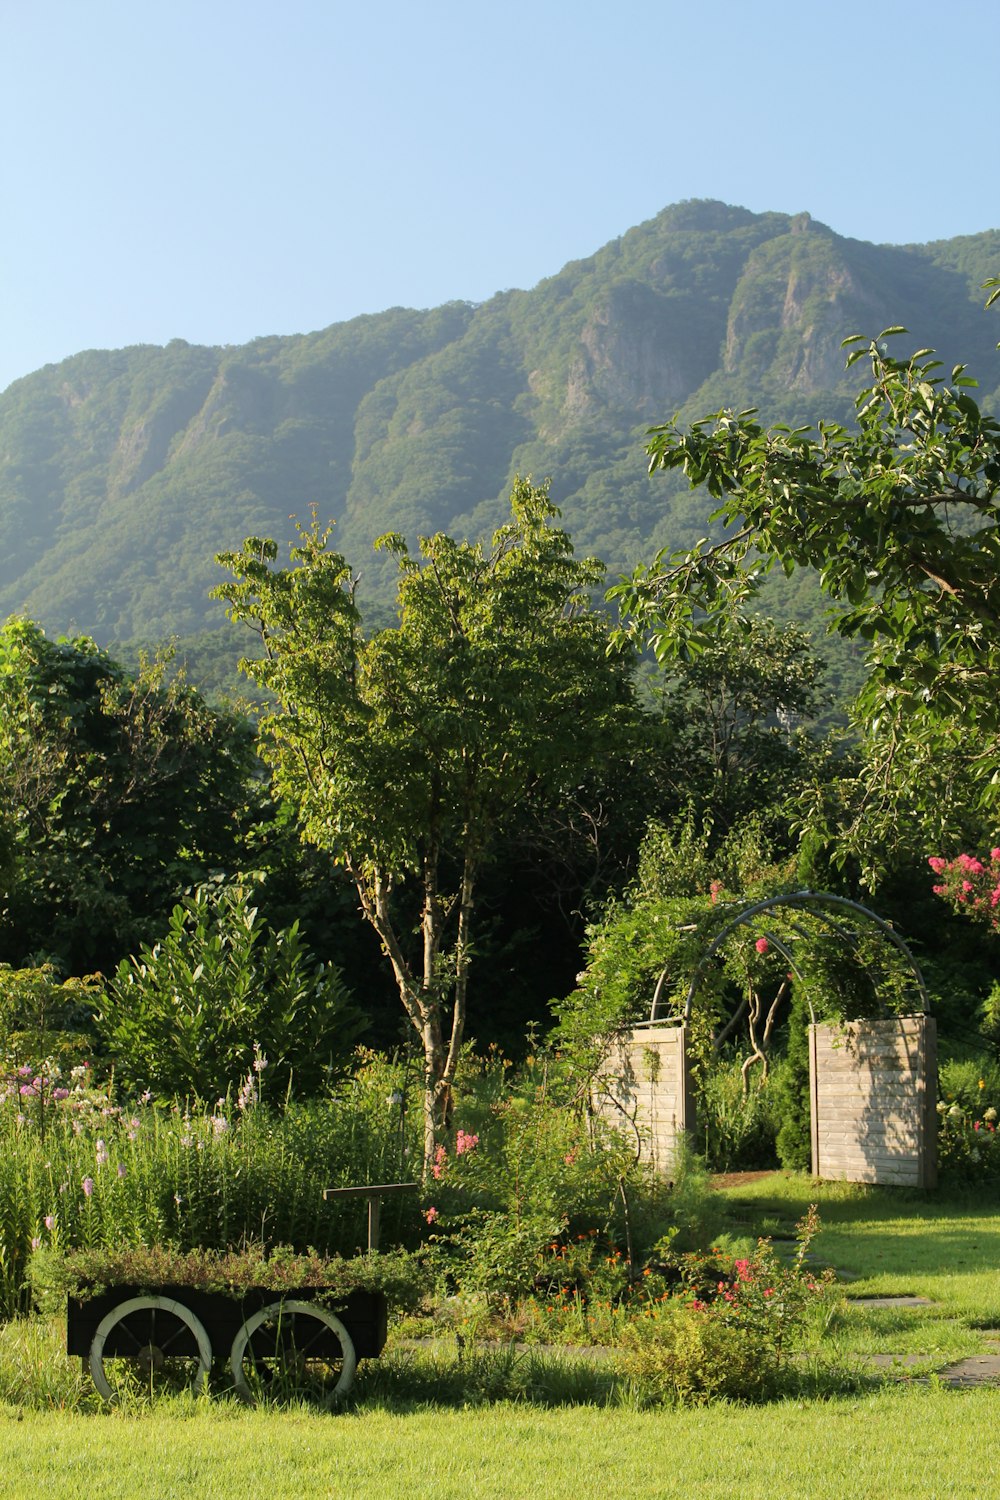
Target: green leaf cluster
<point x="121" y="788"/>
<point x="220" y="994"/>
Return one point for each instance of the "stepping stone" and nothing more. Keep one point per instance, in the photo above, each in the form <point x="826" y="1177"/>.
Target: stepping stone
<point x="893" y="1361"/>
<point x="981" y="1369"/>
<point x="889" y="1302"/>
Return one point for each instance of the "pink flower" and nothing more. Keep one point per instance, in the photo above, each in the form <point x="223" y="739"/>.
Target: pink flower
<point x="769" y="1291"/>
<point x="440" y="1157"/>
<point x="742" y="1268"/>
<point x="35" y="1242"/>
<point x="714" y="888"/>
<point x="430" y="1214"/>
<point x="995" y="855"/>
<point x="464" y="1143"/>
<point x="762" y="945"/>
<point x="121" y="1169"/>
<point x="937" y="864"/>
<point x="50" y="1222"/>
<point x="88" y="1187"/>
<point x="570" y="1158"/>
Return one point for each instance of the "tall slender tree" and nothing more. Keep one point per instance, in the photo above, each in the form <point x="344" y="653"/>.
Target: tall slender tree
<point x="406" y="752"/>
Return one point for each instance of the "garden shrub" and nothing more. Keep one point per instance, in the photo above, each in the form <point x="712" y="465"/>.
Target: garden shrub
<point x="968" y="1139"/>
<point x="736" y="1122"/>
<point x="45" y="1020"/>
<point x="181" y="1018"/>
<point x="695" y="1358"/>
<point x="730" y="1327"/>
<point x="792" y="1094"/>
<point x="989" y="1018"/>
<point x="971" y="1082"/>
<point x="532" y="1173"/>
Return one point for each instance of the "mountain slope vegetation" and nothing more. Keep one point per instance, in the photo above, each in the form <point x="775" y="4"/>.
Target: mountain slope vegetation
<point x="123" y="472"/>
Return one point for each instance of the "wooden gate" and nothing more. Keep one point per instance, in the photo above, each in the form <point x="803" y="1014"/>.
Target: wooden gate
<point x="873" y="1093"/>
<point x="643" y="1089"/>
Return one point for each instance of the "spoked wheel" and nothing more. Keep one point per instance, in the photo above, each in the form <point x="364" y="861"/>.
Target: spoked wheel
<point x="293" y="1350"/>
<point x="149" y="1345"/>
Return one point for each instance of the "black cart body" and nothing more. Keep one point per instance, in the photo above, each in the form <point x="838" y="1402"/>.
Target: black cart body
<point x="222" y="1314"/>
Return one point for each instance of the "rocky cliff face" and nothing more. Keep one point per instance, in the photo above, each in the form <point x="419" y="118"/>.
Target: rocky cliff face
<point x="639" y="354"/>
<point x="797" y="299"/>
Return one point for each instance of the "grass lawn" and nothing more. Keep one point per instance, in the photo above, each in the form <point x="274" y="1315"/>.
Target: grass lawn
<point x="437" y="1425"/>
<point x="892" y="1242"/>
<point x="917" y="1442"/>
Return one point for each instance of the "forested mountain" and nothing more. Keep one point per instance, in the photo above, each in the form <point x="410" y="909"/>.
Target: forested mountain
<point x="123" y="472"/>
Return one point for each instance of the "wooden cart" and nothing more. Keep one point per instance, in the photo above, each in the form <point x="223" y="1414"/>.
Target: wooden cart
<point x="300" y="1342"/>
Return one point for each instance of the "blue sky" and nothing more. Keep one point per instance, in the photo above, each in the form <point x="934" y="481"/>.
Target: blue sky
<point x="225" y="169"/>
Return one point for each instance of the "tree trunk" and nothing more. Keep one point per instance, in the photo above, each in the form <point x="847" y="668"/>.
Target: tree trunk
<point x="422" y="1000"/>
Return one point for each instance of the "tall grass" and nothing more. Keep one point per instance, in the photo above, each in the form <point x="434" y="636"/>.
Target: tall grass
<point x="86" y="1173"/>
<point x="736" y="1122"/>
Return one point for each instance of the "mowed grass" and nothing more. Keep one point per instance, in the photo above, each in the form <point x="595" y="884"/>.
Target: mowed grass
<point x="889" y="1241"/>
<point x="892" y="1242"/>
<point x="925" y="1442"/>
<point x="443" y="1424"/>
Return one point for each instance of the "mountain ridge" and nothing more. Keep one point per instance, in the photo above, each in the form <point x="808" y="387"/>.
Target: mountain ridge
<point x="123" y="472"/>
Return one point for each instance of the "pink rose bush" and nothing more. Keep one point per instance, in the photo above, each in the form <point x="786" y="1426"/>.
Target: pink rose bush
<point x="970" y="885"/>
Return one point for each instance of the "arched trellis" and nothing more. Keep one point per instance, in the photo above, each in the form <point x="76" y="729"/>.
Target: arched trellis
<point x="834" y="911"/>
<point x="872" y="1081"/>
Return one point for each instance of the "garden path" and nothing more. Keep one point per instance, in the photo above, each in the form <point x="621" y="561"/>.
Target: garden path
<point x="976" y="1370"/>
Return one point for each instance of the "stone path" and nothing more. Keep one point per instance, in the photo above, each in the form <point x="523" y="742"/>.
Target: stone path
<point x="982" y="1369"/>
<point x="978" y="1369"/>
<point x="889" y="1302"/>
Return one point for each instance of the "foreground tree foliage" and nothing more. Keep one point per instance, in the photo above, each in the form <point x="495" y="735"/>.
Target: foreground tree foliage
<point x="120" y="789"/>
<point x="900" y="516"/>
<point x="408" y="751"/>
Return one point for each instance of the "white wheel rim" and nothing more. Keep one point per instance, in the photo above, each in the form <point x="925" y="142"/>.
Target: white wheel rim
<point x="149" y="1304"/>
<point x="277" y="1310"/>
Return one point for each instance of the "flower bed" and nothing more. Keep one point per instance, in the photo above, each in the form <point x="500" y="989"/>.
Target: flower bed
<point x="86" y="1274"/>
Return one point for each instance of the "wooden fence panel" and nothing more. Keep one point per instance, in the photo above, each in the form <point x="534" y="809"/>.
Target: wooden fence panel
<point x="644" y="1090"/>
<point x="873" y="1090"/>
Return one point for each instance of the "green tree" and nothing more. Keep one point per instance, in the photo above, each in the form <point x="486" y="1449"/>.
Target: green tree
<point x="900" y="516"/>
<point x="736" y="720"/>
<point x="121" y="790"/>
<point x="405" y="753"/>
